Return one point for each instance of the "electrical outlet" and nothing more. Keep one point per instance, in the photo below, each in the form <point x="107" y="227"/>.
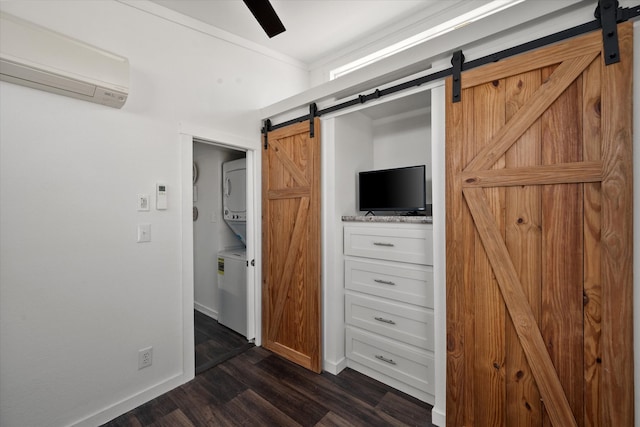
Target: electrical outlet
<point x="145" y="357"/>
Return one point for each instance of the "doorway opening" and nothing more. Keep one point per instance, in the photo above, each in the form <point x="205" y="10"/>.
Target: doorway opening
<point x="219" y="331"/>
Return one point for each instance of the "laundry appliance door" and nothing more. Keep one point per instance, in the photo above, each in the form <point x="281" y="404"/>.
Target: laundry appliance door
<point x="235" y="193"/>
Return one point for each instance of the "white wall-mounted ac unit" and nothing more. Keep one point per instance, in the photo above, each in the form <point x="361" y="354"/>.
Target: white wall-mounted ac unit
<point x="37" y="57"/>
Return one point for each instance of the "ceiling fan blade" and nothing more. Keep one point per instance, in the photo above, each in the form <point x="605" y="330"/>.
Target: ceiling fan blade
<point x="266" y="16"/>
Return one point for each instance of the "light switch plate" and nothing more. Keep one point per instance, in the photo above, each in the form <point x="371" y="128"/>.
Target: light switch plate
<point x="143" y="202"/>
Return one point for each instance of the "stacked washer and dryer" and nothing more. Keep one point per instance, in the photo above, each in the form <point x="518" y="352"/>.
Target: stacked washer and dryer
<point x="232" y="262"/>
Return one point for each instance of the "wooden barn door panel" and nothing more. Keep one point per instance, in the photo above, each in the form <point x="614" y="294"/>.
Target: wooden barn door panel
<point x="539" y="240"/>
<point x="291" y="290"/>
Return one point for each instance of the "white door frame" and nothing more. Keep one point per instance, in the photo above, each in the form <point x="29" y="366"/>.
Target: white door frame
<point x="187" y="135"/>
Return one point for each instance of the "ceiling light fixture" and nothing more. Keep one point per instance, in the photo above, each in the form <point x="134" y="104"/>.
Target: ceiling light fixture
<point x="453" y="24"/>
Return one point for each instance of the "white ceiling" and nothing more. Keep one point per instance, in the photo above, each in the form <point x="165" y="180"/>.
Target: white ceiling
<point x="316" y="29"/>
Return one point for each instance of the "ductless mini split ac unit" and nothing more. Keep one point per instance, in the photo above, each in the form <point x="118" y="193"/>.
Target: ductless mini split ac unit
<point x="37" y="57"/>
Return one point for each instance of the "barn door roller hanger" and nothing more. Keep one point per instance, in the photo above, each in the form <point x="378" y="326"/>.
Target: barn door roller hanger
<point x="266" y="128"/>
<point x="457" y="61"/>
<point x="313" y="112"/>
<point x="607" y="13"/>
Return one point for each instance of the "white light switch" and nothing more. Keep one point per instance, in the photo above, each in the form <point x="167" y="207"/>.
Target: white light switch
<point x="143" y="202"/>
<point x="144" y="233"/>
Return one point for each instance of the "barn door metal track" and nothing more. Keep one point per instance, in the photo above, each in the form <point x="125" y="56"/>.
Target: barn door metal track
<point x="607" y="14"/>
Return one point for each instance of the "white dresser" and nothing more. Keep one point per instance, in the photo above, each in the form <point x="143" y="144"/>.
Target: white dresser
<point x="389" y="304"/>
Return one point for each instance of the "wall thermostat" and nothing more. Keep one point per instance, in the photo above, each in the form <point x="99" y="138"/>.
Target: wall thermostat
<point x="161" y="196"/>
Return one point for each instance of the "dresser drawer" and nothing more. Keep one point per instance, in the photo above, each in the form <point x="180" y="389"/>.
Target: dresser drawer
<point x="411" y="366"/>
<point x="411" y="244"/>
<point x="410" y="283"/>
<point x="409" y="324"/>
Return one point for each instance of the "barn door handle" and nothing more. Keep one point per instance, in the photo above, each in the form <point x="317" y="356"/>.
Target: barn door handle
<point x="384" y="359"/>
<point x="390" y="245"/>
<point x="382" y="319"/>
<point x="384" y="282"/>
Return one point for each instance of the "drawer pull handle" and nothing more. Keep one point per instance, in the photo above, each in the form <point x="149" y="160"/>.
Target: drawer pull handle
<point x="382" y="319"/>
<point x="390" y="245"/>
<point x="384" y="282"/>
<point x="384" y="359"/>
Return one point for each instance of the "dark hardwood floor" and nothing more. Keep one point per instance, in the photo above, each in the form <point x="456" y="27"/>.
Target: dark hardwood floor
<point x="259" y="388"/>
<point x="215" y="343"/>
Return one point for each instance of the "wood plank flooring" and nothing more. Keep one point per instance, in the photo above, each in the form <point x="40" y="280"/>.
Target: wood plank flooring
<point x="259" y="388"/>
<point x="215" y="343"/>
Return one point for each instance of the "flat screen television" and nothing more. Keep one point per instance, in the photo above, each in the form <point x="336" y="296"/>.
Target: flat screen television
<point x="398" y="189"/>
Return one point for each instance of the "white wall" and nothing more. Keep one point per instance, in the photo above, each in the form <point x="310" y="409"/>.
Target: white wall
<point x="354" y="153"/>
<point x="79" y="296"/>
<point x="438" y="127"/>
<point x="210" y="233"/>
<point x="404" y="140"/>
<point x="346" y="148"/>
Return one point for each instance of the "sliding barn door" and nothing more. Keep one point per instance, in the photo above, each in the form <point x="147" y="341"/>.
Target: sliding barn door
<point x="291" y="323"/>
<point x="539" y="240"/>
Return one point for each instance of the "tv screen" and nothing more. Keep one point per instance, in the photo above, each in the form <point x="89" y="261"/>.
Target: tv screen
<point x="399" y="189"/>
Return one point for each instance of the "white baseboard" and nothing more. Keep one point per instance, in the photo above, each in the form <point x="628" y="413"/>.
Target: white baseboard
<point x="438" y="417"/>
<point x="205" y="310"/>
<point x="105" y="415"/>
<point x="333" y="367"/>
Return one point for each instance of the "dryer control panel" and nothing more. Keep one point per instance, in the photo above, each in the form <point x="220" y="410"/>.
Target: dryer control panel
<point x="242" y="216"/>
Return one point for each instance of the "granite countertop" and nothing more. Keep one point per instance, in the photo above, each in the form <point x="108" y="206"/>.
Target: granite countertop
<point x="371" y="218"/>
